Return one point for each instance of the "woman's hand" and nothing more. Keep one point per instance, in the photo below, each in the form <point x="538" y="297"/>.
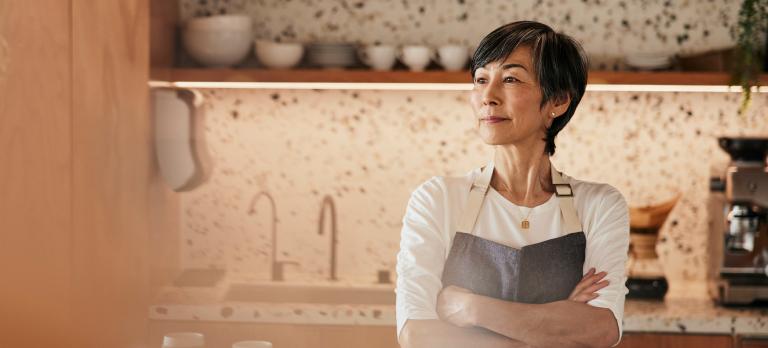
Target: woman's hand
<point x="453" y="305"/>
<point x="586" y="288"/>
<point x="453" y="302"/>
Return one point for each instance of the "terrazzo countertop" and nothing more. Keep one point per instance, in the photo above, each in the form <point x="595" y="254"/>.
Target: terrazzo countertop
<point x="695" y="316"/>
<point x="679" y="316"/>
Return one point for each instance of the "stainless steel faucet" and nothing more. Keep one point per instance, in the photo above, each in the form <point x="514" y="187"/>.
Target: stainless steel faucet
<point x="328" y="202"/>
<point x="277" y="267"/>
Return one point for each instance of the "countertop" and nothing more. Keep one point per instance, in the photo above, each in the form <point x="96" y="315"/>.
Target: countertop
<point x="688" y="316"/>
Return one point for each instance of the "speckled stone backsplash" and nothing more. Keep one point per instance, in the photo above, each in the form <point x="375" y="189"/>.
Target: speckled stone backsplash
<point x="369" y="149"/>
<point x="608" y="30"/>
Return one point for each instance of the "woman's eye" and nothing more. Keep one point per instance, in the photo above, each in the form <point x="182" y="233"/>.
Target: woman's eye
<point x="510" y="79"/>
<point x="479" y="80"/>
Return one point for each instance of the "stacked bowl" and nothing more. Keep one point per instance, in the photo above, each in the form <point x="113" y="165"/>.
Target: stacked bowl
<point x="218" y="41"/>
<point x="331" y="55"/>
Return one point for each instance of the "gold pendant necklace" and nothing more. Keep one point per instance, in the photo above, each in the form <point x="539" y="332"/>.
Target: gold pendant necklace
<point x="525" y="224"/>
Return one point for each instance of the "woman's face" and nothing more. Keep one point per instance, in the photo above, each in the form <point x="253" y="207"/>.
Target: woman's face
<point x="506" y="98"/>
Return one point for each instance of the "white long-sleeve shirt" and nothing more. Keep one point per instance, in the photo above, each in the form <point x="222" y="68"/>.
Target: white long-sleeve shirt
<point x="433" y="213"/>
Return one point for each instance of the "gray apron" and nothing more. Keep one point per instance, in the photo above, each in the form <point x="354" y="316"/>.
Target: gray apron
<point x="537" y="273"/>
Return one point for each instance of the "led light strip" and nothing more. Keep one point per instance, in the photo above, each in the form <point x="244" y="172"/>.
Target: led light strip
<point x="436" y="86"/>
<point x="317" y="85"/>
<point x="672" y="88"/>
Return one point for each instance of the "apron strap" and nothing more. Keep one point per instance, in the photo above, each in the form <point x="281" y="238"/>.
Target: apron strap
<point x="476" y="196"/>
<point x="564" y="194"/>
<point x="480" y="187"/>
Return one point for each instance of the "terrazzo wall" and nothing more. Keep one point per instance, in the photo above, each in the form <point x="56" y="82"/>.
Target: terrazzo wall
<point x="608" y="29"/>
<point x="369" y="149"/>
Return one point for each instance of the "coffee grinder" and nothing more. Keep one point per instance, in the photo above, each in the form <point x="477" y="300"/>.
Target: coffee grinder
<point x="738" y="208"/>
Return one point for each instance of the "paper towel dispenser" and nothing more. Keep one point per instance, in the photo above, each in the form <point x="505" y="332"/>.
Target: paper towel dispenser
<point x="182" y="156"/>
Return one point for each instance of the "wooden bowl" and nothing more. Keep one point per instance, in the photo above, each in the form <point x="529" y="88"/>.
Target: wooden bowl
<point x="644" y="224"/>
<point x="651" y="217"/>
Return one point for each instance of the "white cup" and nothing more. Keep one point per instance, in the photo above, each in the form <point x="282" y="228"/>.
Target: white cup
<point x="452" y="57"/>
<point x="378" y="57"/>
<point x="184" y="340"/>
<point x="416" y="57"/>
<point x="252" y="344"/>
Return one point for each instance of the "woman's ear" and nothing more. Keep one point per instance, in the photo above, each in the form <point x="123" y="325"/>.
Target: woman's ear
<point x="550" y="119"/>
<point x="560" y="104"/>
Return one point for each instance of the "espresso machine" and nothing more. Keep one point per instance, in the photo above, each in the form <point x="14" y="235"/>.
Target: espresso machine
<point x="738" y="210"/>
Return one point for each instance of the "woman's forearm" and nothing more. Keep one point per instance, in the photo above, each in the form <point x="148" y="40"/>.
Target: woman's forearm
<point x="556" y="324"/>
<point x="437" y="333"/>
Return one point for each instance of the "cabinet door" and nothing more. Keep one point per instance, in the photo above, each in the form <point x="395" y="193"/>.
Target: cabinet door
<point x="224" y="334"/>
<point x="638" y="340"/>
<point x="753" y="342"/>
<point x="35" y="172"/>
<point x="113" y="180"/>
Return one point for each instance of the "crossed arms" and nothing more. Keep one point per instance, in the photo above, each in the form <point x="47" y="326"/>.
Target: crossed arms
<point x="467" y="319"/>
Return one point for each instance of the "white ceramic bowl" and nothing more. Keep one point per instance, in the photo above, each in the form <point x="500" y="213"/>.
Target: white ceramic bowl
<point x="277" y="55"/>
<point x="232" y="22"/>
<point x="648" y="61"/>
<point x="217" y="48"/>
<point x="183" y="339"/>
<point x="252" y="344"/>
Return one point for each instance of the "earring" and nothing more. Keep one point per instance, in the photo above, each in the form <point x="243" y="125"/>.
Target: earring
<point x="553" y="114"/>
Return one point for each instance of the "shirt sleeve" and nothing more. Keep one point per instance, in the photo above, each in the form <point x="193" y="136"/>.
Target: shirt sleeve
<point x="607" y="250"/>
<point x="421" y="257"/>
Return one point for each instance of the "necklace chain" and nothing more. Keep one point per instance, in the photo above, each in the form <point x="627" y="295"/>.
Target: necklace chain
<point x="525" y="223"/>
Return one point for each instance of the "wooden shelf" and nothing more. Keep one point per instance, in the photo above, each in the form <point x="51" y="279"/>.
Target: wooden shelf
<point x="311" y="75"/>
<point x="436" y="76"/>
<point x="685" y="78"/>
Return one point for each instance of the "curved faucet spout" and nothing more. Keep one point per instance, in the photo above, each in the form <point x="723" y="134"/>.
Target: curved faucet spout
<point x="252" y="211"/>
<point x="328" y="202"/>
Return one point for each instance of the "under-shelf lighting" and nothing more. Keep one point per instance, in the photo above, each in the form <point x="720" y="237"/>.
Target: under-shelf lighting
<point x="317" y="85"/>
<point x="436" y="86"/>
<point x="671" y="88"/>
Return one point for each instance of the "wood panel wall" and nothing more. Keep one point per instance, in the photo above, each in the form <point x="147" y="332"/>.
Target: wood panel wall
<point x="164" y="241"/>
<point x="164" y="18"/>
<point x="661" y="340"/>
<point x="81" y="206"/>
<point x="35" y="172"/>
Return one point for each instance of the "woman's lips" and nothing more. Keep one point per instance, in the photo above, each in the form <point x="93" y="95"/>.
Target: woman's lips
<point x="493" y="119"/>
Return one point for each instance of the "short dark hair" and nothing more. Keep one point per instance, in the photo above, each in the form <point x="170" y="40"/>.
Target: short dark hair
<point x="559" y="63"/>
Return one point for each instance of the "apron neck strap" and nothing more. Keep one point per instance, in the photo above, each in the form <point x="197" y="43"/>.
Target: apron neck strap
<point x="564" y="194"/>
<point x="480" y="188"/>
<point x="475" y="201"/>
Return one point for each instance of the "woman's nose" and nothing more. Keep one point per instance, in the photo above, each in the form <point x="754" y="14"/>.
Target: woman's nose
<point x="490" y="95"/>
<point x="488" y="101"/>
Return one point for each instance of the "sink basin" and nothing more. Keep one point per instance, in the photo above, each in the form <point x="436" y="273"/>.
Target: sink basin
<point x="316" y="294"/>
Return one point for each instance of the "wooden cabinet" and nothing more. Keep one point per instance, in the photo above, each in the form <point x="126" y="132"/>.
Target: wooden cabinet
<point x="663" y="340"/>
<point x="80" y="201"/>
<point x="35" y="171"/>
<point x="753" y="342"/>
<point x="223" y="334"/>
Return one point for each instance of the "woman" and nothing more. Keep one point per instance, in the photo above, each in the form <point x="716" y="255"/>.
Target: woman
<point x="508" y="254"/>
